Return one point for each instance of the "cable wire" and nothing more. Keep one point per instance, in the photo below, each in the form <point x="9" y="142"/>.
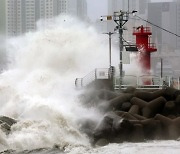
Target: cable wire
<point x="158" y="26"/>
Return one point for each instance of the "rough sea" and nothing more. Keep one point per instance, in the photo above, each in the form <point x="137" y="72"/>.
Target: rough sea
<point x="37" y="89"/>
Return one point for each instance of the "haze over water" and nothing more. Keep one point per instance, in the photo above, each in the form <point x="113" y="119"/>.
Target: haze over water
<point x="38" y="90"/>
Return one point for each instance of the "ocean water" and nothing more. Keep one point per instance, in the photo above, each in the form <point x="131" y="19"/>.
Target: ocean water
<point x="37" y="89"/>
<point x="155" y="147"/>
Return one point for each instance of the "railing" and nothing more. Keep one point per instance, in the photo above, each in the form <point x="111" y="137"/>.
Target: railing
<point x="147" y="82"/>
<point x="141" y="29"/>
<point x="152" y="45"/>
<point x="140" y="82"/>
<point x="99" y="73"/>
<point x="175" y="82"/>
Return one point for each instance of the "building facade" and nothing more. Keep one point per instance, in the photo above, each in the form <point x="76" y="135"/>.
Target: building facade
<point x="20" y="16"/>
<point x="78" y="8"/>
<point x="3" y="17"/>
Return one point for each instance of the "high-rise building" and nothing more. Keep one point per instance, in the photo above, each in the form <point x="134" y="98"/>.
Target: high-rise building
<point x="19" y="16"/>
<point x="3" y="17"/>
<point x="78" y="8"/>
<point x="82" y="9"/>
<point x="165" y="15"/>
<point x="178" y="24"/>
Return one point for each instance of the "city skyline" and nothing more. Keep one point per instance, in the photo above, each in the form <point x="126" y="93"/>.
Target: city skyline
<point x="20" y="16"/>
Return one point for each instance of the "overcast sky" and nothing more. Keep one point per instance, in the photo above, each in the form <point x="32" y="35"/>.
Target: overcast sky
<point x="96" y="8"/>
<point x="161" y="0"/>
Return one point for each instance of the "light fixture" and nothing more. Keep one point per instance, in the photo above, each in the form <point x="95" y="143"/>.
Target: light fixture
<point x="134" y="12"/>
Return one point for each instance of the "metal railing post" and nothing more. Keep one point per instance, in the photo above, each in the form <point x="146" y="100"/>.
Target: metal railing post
<point x="95" y="74"/>
<point x="137" y="80"/>
<point x="81" y="82"/>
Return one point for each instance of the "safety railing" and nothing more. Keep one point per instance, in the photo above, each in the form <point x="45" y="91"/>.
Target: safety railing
<point x="152" y="45"/>
<point x="140" y="82"/>
<point x="175" y="82"/>
<point x="146" y="82"/>
<point x="99" y="73"/>
<point x="141" y="29"/>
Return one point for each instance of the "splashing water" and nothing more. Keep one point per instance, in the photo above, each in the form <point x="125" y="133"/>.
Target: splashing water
<point x="38" y="88"/>
<point x="38" y="91"/>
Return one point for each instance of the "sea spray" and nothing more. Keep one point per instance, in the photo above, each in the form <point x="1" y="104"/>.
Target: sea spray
<point x="37" y="89"/>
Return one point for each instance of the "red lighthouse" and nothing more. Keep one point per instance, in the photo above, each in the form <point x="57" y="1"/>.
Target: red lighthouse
<point x="144" y="46"/>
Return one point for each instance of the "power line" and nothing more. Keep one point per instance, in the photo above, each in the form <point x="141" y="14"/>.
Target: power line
<point x="158" y="26"/>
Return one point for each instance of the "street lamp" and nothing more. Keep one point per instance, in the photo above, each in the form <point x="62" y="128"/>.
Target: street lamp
<point x="120" y="18"/>
<point x="109" y="33"/>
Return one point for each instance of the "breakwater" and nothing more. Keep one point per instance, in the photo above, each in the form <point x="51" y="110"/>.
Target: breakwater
<point x="133" y="115"/>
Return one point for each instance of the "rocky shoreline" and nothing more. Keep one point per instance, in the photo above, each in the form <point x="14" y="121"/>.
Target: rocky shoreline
<point x="133" y="115"/>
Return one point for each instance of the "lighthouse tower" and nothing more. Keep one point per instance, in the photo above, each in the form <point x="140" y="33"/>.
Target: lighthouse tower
<point x="145" y="47"/>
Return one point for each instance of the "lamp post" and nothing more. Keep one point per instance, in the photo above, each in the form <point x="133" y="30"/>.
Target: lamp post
<point x="109" y="33"/>
<point x="120" y="18"/>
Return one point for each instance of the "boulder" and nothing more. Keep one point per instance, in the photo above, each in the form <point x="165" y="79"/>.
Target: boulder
<point x="102" y="142"/>
<point x="6" y="123"/>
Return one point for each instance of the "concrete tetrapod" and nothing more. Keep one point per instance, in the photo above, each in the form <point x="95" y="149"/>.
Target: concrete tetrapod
<point x="134" y="109"/>
<point x="177" y="102"/>
<point x="139" y="102"/>
<point x="106" y="94"/>
<point x="153" y="107"/>
<point x="171" y="127"/>
<point x="126" y="106"/>
<point x="108" y="127"/>
<point x="151" y="128"/>
<point x="149" y="96"/>
<point x="170" y="109"/>
<point x="117" y="102"/>
<point x="171" y="93"/>
<point x="149" y="109"/>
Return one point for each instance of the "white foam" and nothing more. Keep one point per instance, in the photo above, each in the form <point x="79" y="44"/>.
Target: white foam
<point x="38" y="88"/>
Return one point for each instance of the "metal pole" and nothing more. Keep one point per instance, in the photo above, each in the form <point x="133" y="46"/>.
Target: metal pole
<point x="109" y="33"/>
<point x="161" y="68"/>
<point x="121" y="48"/>
<point x="121" y="18"/>
<point x="110" y="49"/>
<point x="95" y="74"/>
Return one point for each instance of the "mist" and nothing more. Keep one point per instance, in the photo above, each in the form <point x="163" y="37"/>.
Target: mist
<point x="38" y="88"/>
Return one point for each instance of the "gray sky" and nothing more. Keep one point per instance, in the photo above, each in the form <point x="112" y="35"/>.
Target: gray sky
<point x="161" y="0"/>
<point x="96" y="8"/>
